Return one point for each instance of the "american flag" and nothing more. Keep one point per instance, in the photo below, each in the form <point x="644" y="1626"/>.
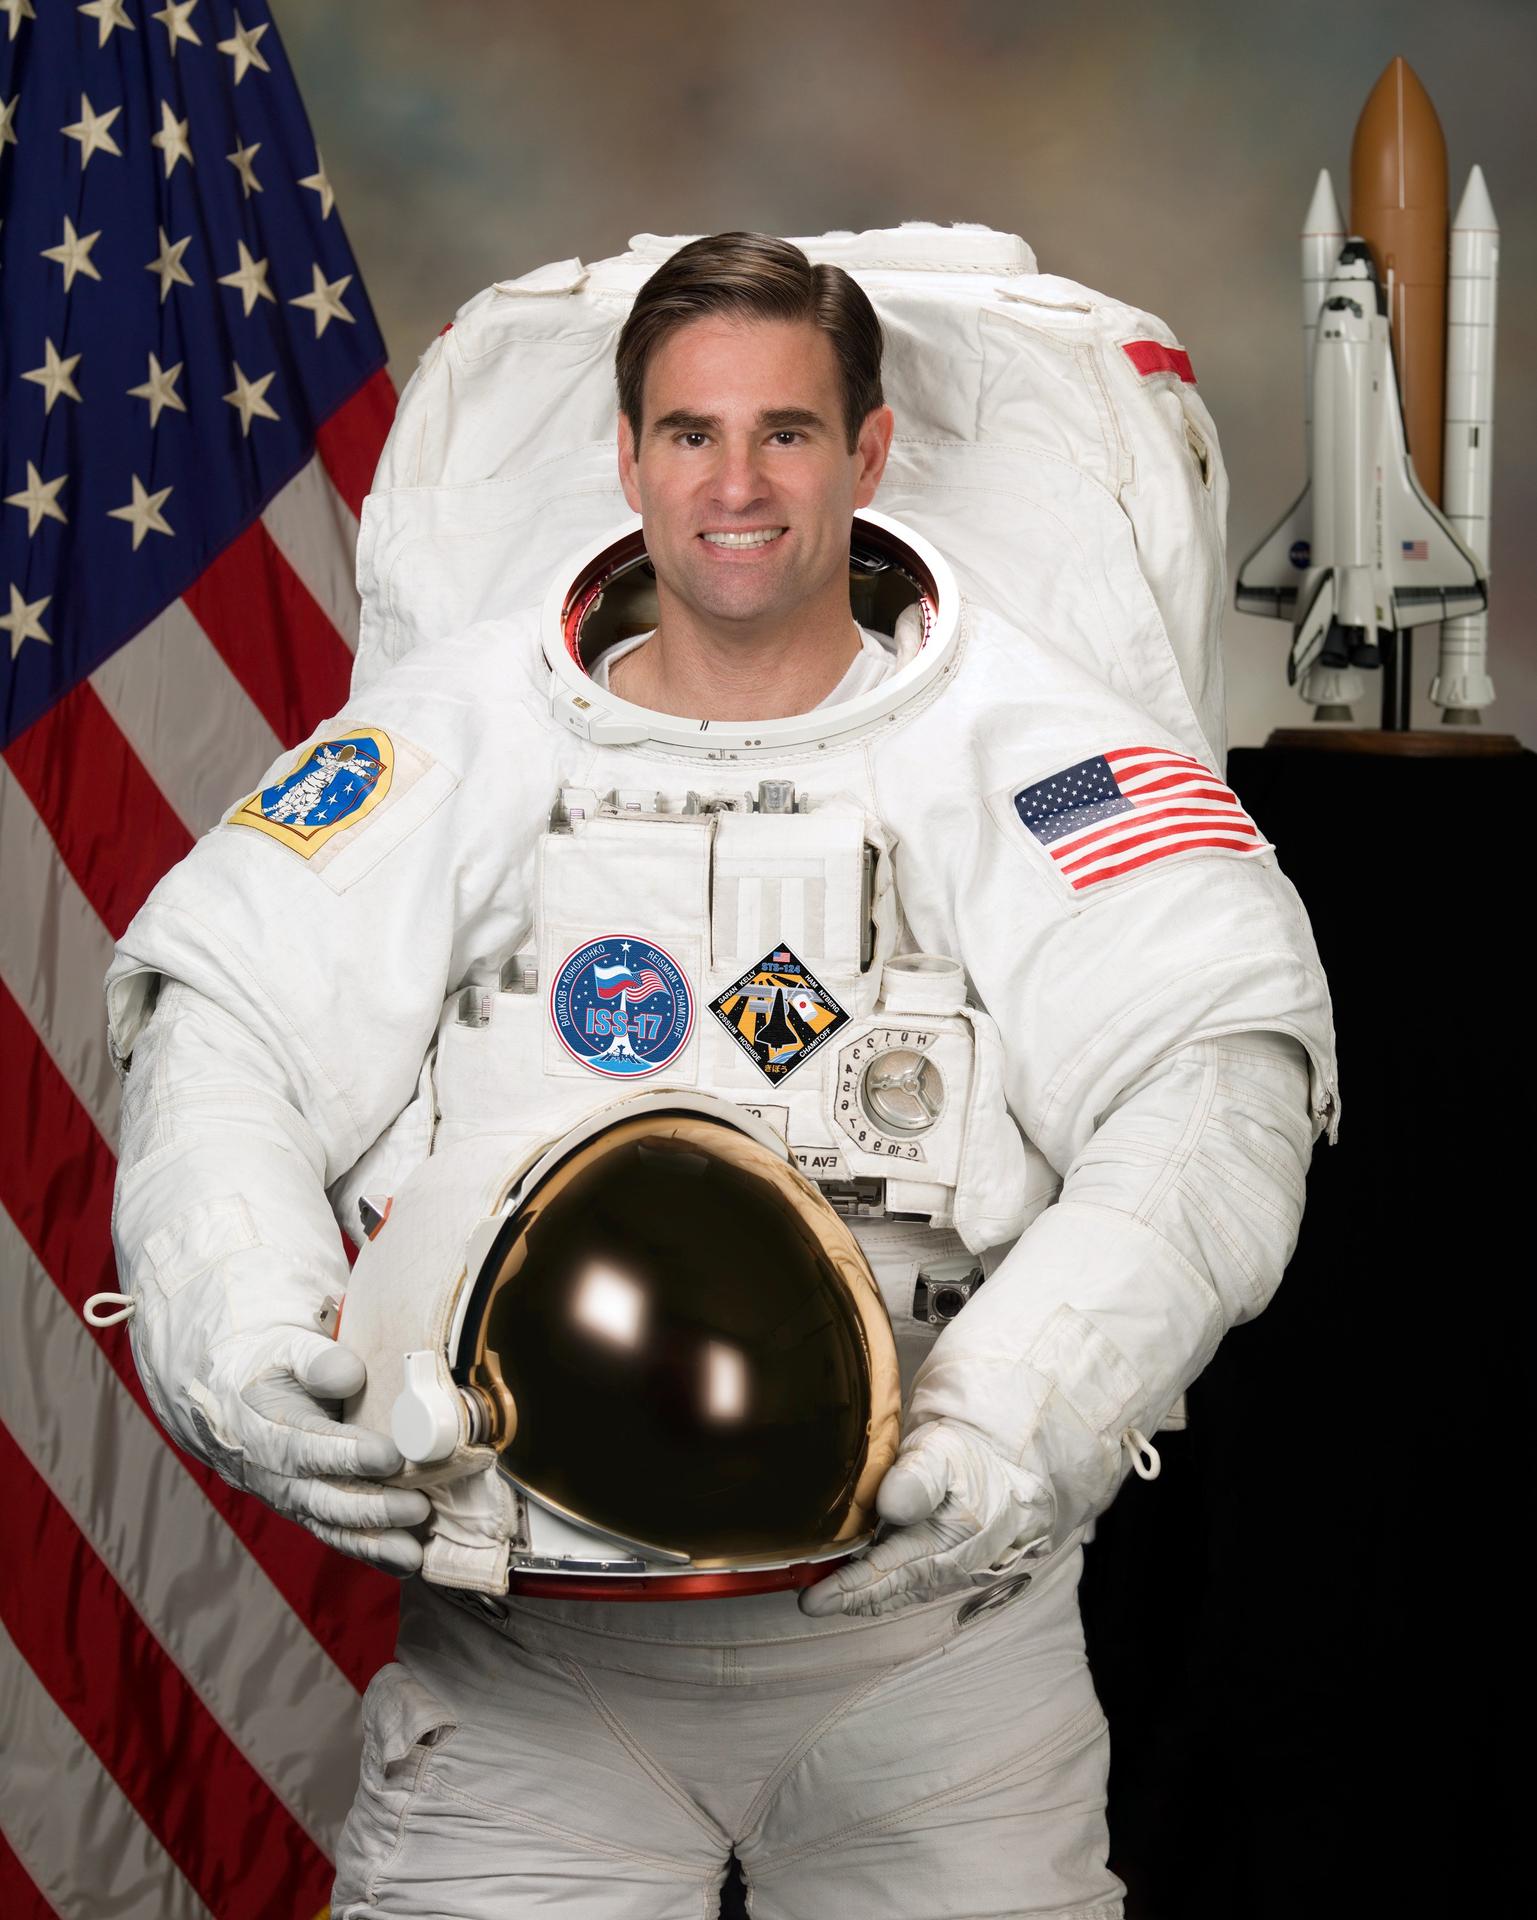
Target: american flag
<point x="1124" y="809"/>
<point x="193" y="399"/>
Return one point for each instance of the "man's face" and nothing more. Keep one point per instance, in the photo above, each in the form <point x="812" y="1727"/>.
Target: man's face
<point x="742" y="473"/>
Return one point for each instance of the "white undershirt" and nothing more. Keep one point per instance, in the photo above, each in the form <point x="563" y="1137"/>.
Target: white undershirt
<point x="875" y="661"/>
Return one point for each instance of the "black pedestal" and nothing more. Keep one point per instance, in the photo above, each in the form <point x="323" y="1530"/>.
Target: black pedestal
<point x="1305" y="1632"/>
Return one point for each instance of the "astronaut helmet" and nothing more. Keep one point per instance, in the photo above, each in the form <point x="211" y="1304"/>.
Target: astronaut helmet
<point x="676" y="1349"/>
<point x="899" y="584"/>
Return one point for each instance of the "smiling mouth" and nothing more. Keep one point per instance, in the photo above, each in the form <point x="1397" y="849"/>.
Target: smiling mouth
<point x="739" y="542"/>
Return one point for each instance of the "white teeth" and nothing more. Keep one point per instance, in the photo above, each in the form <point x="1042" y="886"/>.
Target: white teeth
<point x="760" y="539"/>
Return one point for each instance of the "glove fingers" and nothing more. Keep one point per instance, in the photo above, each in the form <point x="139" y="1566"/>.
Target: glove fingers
<point x="336" y="1503"/>
<point x="299" y="1438"/>
<point x="880" y="1573"/>
<point x="914" y="1486"/>
<point x="326" y="1368"/>
<point x="391" y="1552"/>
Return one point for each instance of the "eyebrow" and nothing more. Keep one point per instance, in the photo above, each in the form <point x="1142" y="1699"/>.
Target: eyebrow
<point x="775" y="419"/>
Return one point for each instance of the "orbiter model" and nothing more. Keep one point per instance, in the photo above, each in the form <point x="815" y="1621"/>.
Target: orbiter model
<point x="1391" y="530"/>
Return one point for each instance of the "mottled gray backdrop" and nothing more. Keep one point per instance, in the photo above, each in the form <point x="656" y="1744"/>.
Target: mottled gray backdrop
<point x="1164" y="153"/>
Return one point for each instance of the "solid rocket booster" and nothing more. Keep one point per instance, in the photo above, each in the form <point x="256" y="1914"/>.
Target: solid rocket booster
<point x="1330" y="690"/>
<point x="1462" y="684"/>
<point x="1323" y="234"/>
<point x="1398" y="194"/>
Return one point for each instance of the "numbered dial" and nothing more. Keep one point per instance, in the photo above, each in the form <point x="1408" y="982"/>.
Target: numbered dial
<point x="890" y="1092"/>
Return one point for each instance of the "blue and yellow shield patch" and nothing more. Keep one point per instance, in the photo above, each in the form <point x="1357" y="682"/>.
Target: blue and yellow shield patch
<point x="335" y="785"/>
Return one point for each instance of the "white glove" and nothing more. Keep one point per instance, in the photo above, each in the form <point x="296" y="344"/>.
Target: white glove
<point x="963" y="1515"/>
<point x="260" y="1425"/>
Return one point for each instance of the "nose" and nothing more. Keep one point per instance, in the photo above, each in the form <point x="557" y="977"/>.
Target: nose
<point x="739" y="479"/>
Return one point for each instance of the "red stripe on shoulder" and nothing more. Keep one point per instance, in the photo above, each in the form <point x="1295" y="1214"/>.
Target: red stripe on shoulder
<point x="1152" y="356"/>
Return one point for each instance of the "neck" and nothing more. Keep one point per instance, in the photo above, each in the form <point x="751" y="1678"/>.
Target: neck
<point x="700" y="669"/>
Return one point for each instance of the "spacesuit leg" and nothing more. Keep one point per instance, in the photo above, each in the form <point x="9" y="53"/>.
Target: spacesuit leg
<point x="947" y="1763"/>
<point x="970" y="1785"/>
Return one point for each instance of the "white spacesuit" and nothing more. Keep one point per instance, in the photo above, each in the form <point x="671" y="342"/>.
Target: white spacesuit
<point x="1107" y="1052"/>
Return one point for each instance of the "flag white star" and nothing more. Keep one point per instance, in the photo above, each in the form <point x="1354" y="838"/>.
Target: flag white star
<point x="250" y="397"/>
<point x="250" y="277"/>
<point x="40" y="497"/>
<point x="73" y="253"/>
<point x="168" y="263"/>
<point x="159" y="389"/>
<point x="173" y="17"/>
<point x="7" y="111"/>
<point x="143" y="511"/>
<point x="92" y="130"/>
<point x="172" y="139"/>
<point x="318" y="183"/>
<point x="241" y="160"/>
<point x="107" y="15"/>
<point x="325" y="301"/>
<point x="242" y="49"/>
<point x="19" y="10"/>
<point x="22" y="622"/>
<point x="53" y="376"/>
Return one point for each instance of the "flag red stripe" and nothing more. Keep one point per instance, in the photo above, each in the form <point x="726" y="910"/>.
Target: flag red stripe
<point x="1186" y="784"/>
<point x="114" y="828"/>
<point x="272" y="634"/>
<point x="1133" y="753"/>
<point x="351" y="441"/>
<point x="1123" y="821"/>
<point x="242" y="1851"/>
<point x="56" y="1175"/>
<point x="1161" y="853"/>
<point x="1190" y="768"/>
<point x="1156" y="833"/>
<point x="19" y="1897"/>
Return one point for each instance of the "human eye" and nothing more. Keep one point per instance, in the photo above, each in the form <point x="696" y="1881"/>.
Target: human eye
<point x="692" y="438"/>
<point x="787" y="436"/>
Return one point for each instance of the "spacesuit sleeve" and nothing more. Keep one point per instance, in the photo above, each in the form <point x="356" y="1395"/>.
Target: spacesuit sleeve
<point x="273" y="1002"/>
<point x="1175" y="1222"/>
<point x="1169" y="1047"/>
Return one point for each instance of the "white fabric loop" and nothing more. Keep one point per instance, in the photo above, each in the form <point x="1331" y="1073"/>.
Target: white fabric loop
<point x="123" y="1306"/>
<point x="1146" y="1460"/>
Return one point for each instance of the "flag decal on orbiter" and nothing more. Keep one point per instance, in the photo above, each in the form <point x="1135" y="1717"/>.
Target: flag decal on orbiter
<point x="778" y="1013"/>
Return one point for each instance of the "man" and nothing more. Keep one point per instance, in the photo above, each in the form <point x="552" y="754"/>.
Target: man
<point x="917" y="1735"/>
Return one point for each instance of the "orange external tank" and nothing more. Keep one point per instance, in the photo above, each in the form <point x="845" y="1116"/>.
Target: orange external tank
<point x="1398" y="196"/>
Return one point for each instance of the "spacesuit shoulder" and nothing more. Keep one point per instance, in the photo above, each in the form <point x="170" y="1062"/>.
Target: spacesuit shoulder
<point x="340" y="899"/>
<point x="1109" y="894"/>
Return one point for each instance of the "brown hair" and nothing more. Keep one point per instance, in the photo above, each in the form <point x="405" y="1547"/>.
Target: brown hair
<point x="758" y="277"/>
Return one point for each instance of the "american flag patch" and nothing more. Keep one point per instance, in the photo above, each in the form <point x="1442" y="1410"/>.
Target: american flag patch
<point x="1129" y="807"/>
<point x="1414" y="549"/>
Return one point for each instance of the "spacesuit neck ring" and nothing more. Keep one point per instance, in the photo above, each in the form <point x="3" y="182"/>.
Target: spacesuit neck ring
<point x="878" y="545"/>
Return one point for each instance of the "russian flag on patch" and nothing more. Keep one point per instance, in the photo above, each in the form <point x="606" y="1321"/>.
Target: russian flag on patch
<point x="1124" y="809"/>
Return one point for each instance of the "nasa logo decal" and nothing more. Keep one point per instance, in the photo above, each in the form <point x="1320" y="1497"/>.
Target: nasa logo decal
<point x="335" y="785"/>
<point x="778" y="1013"/>
<point x="622" y="1006"/>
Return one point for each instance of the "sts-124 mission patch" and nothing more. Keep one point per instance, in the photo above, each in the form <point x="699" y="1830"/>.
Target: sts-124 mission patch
<point x="779" y="1013"/>
<point x="335" y="785"/>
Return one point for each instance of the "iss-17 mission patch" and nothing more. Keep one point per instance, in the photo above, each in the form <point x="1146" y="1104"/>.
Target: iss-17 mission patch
<point x="778" y="1013"/>
<point x="334" y="786"/>
<point x="622" y="1005"/>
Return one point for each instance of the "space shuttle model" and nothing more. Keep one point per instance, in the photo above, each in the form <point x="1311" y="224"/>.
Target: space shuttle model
<point x="1391" y="531"/>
